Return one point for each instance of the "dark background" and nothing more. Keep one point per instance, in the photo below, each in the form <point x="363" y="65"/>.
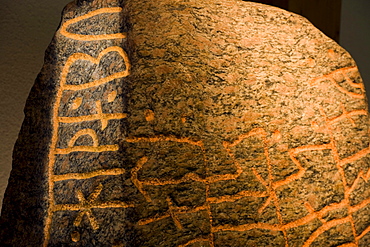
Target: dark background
<point x="26" y="28"/>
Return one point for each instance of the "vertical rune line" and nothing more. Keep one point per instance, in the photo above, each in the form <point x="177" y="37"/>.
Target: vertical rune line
<point x="104" y="118"/>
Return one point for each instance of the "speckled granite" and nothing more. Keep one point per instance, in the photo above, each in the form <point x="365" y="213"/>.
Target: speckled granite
<point x="191" y="123"/>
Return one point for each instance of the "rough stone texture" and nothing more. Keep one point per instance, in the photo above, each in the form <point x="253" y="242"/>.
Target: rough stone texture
<point x="191" y="123"/>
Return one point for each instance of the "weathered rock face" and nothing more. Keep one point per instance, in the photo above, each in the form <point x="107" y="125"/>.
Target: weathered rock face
<point x="191" y="123"/>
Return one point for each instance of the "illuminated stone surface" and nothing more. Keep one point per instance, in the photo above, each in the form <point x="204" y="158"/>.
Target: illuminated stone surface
<point x="191" y="123"/>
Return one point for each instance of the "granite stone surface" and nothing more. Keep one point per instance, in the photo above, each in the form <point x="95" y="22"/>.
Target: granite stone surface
<point x="191" y="123"/>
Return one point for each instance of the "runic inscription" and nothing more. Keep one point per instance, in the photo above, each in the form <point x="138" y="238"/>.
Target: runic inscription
<point x="250" y="193"/>
<point x="86" y="203"/>
<point x="261" y="169"/>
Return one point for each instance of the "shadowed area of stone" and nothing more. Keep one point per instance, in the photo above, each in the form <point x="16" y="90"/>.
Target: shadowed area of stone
<point x="191" y="123"/>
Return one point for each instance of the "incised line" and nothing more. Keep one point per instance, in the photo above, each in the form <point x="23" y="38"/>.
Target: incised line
<point x="312" y="211"/>
<point x="240" y="195"/>
<point x="86" y="205"/>
<point x="348" y="115"/>
<point x="99" y="149"/>
<point x="348" y="245"/>
<point x="344" y="72"/>
<point x="173" y="213"/>
<point x="81" y="176"/>
<point x="100" y="205"/>
<point x="135" y="179"/>
<point x="94" y="148"/>
<point x="81" y="56"/>
<point x="82" y="37"/>
<point x="197" y="240"/>
<point x="89" y="132"/>
<point x="103" y="117"/>
<point x="164" y="138"/>
<point x="326" y="226"/>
